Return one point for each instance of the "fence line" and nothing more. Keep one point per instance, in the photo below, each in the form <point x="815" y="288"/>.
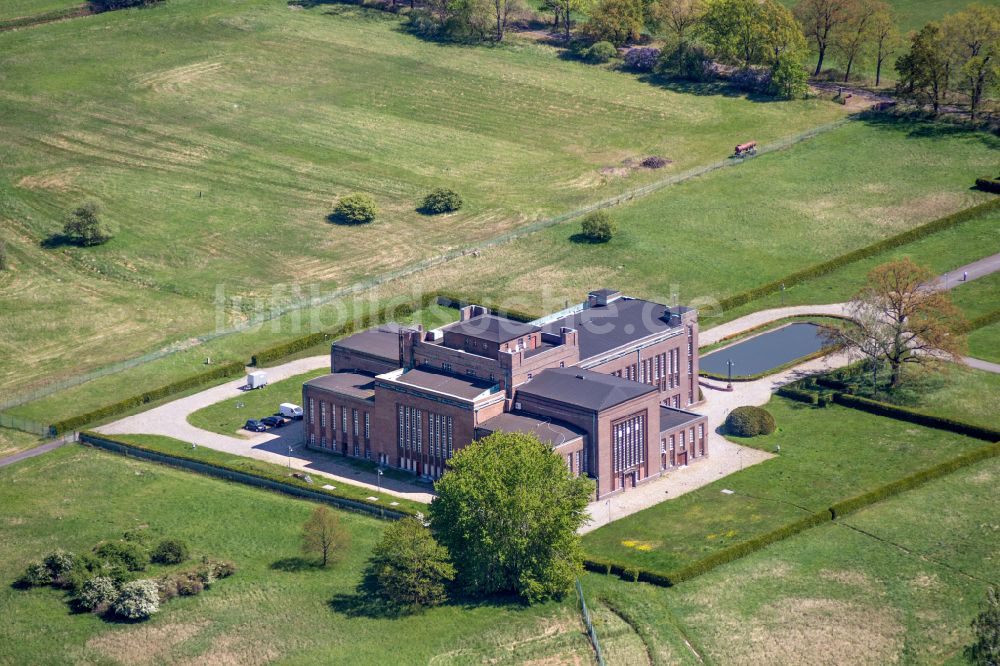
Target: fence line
<point x="414" y="268"/>
<point x="27" y="425"/>
<point x="590" y="625"/>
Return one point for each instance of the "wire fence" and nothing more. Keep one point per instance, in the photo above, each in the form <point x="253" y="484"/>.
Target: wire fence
<point x="411" y="269"/>
<point x="27" y="425"/>
<point x="590" y="625"/>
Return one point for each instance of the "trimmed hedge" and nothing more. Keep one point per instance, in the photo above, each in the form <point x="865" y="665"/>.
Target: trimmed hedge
<point x="984" y="320"/>
<point x="914" y="416"/>
<point x="799" y="395"/>
<point x="224" y="370"/>
<point x="749" y="421"/>
<point x="294" y="483"/>
<point x="988" y="185"/>
<point x="825" y="267"/>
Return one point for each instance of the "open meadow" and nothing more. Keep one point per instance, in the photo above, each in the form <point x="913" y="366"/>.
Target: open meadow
<point x="219" y="146"/>
<point x="276" y="607"/>
<point x="898" y="582"/>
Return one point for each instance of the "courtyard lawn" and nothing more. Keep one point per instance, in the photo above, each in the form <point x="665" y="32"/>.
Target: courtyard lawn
<point x="827" y="454"/>
<point x="977" y="297"/>
<point x="220" y="158"/>
<point x="905" y="592"/>
<point x="277" y="607"/>
<point x="984" y="343"/>
<point x="227" y="417"/>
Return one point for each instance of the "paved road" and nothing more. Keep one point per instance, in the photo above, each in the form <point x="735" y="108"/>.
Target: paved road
<point x="31" y="453"/>
<point x="980" y="364"/>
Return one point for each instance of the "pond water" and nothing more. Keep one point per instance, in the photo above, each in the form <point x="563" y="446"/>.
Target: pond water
<point x="766" y="351"/>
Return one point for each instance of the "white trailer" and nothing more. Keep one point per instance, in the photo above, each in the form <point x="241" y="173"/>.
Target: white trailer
<point x="256" y="380"/>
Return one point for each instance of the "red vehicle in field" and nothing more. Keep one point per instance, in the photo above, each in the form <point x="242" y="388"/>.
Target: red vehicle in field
<point x="744" y="149"/>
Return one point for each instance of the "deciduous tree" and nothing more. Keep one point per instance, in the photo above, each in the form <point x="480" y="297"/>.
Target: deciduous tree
<point x="855" y="38"/>
<point x="902" y="318"/>
<point x="616" y="21"/>
<point x="885" y="35"/>
<point x="820" y="21"/>
<point x="84" y="226"/>
<point x="985" y="651"/>
<point x="972" y="38"/>
<point x="925" y="71"/>
<point x="409" y="567"/>
<point x="749" y="32"/>
<point x="324" y="536"/>
<point x="678" y="17"/>
<point x="508" y="511"/>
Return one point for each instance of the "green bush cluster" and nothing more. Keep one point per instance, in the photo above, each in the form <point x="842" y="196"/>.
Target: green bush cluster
<point x="357" y="208"/>
<point x="97" y="438"/>
<point x="799" y="395"/>
<point x="598" y="226"/>
<point x="749" y="421"/>
<point x="874" y="249"/>
<point x="170" y="551"/>
<point x="191" y="582"/>
<point x="441" y="200"/>
<point x="914" y="416"/>
<point x="601" y="52"/>
<point x="129" y="555"/>
<point x="988" y="185"/>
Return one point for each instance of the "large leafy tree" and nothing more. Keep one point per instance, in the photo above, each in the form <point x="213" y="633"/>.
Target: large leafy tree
<point x="972" y="38"/>
<point x="902" y="318"/>
<point x="750" y="32"/>
<point x="925" y="71"/>
<point x="409" y="567"/>
<point x="508" y="512"/>
<point x="84" y="225"/>
<point x="855" y="40"/>
<point x="886" y="38"/>
<point x="678" y="17"/>
<point x="821" y="20"/>
<point x="616" y="21"/>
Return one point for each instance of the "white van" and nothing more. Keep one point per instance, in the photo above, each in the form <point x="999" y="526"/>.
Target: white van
<point x="290" y="411"/>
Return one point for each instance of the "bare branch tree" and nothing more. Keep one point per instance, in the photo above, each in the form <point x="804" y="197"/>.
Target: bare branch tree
<point x="323" y="535"/>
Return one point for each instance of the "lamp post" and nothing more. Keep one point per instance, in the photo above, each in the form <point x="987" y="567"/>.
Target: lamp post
<point x="378" y="477"/>
<point x="289" y="456"/>
<point x="782" y="294"/>
<point x="730" y="364"/>
<point x="608" y="503"/>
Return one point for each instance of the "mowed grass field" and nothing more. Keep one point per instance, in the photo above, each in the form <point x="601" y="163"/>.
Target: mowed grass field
<point x="219" y="146"/>
<point x="826" y="454"/>
<point x="739" y="227"/>
<point x="276" y="608"/>
<point x="903" y="590"/>
<point x="10" y="9"/>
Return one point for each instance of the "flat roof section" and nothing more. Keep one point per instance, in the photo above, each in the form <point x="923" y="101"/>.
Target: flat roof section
<point x="671" y="419"/>
<point x="554" y="433"/>
<point x="492" y="328"/>
<point x="467" y="388"/>
<point x="591" y="390"/>
<point x="621" y="322"/>
<point x="381" y="341"/>
<point x="351" y="384"/>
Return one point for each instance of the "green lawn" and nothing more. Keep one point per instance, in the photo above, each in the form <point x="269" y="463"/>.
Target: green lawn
<point x="904" y="593"/>
<point x="977" y="297"/>
<point x="827" y="454"/>
<point x="735" y="228"/>
<point x="220" y="157"/>
<point x="11" y="9"/>
<point x="228" y="416"/>
<point x="272" y="609"/>
<point x="984" y="343"/>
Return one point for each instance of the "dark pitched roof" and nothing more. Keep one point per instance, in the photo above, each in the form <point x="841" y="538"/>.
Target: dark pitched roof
<point x="554" y="433"/>
<point x="591" y="390"/>
<point x="382" y="342"/>
<point x="492" y="328"/>
<point x="353" y="384"/>
<point x="671" y="418"/>
<point x="621" y="322"/>
<point x="466" y="387"/>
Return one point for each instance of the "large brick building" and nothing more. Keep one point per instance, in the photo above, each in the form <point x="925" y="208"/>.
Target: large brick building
<point x="605" y="383"/>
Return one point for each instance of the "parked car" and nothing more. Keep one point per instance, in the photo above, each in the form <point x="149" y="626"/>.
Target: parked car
<point x="290" y="411"/>
<point x="253" y="425"/>
<point x="273" y="421"/>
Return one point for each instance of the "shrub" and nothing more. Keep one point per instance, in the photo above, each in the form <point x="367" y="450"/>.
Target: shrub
<point x="357" y="208"/>
<point x="137" y="600"/>
<point x="126" y="554"/>
<point x="441" y="200"/>
<point x="221" y="568"/>
<point x="97" y="593"/>
<point x="789" y="79"/>
<point x="688" y="62"/>
<point x="60" y="564"/>
<point x="189" y="586"/>
<point x="753" y="80"/>
<point x="85" y="227"/>
<point x="409" y="567"/>
<point x="601" y="52"/>
<point x="36" y="574"/>
<point x="641" y="59"/>
<point x="793" y="393"/>
<point x="598" y="226"/>
<point x="170" y="551"/>
<point x="654" y="162"/>
<point x="749" y="421"/>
